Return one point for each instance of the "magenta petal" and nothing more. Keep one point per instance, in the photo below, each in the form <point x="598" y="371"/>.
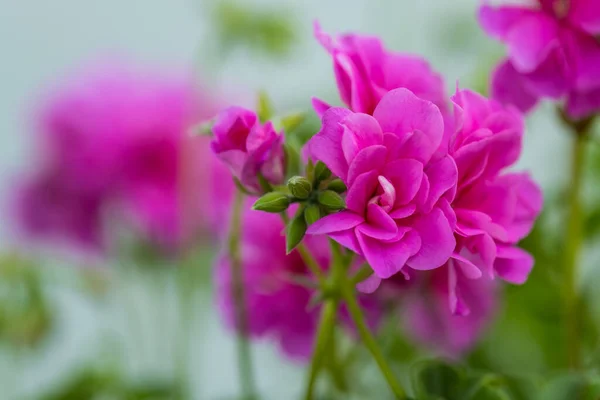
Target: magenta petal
<point x="370" y="159"/>
<point x="583" y="104"/>
<point x="416" y="145"/>
<point x="442" y="179"/>
<point x="319" y="106"/>
<point x="513" y="264"/>
<point x="387" y="259"/>
<point x="369" y="285"/>
<point x="361" y="191"/>
<point x="360" y="131"/>
<point x="337" y="222"/>
<point x="498" y="21"/>
<point x="531" y="40"/>
<point x="379" y="224"/>
<point x="586" y="15"/>
<point x="468" y="269"/>
<point x="401" y="112"/>
<point x="437" y="241"/>
<point x="509" y="87"/>
<point x="406" y="176"/>
<point x="403" y="211"/>
<point x="346" y="239"/>
<point x="326" y="145"/>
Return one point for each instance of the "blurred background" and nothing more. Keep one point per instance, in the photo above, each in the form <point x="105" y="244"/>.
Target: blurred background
<point x="73" y="322"/>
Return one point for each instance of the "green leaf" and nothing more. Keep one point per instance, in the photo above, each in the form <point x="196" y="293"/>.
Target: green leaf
<point x="295" y="232"/>
<point x="312" y="213"/>
<point x="437" y="378"/>
<point x="292" y="121"/>
<point x="564" y="387"/>
<point x="264" y="107"/>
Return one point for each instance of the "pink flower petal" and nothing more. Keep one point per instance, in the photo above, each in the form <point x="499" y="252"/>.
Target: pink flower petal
<point x="369" y="159"/>
<point x="337" y="222"/>
<point x="387" y="259"/>
<point x="369" y="285"/>
<point x="361" y="191"/>
<point x="403" y="211"/>
<point x="401" y="112"/>
<point x="498" y="22"/>
<point x="379" y="225"/>
<point x="437" y="241"/>
<point x="406" y="176"/>
<point x="442" y="177"/>
<point x="320" y="106"/>
<point x="509" y="87"/>
<point x="531" y="40"/>
<point x="513" y="264"/>
<point x="360" y="131"/>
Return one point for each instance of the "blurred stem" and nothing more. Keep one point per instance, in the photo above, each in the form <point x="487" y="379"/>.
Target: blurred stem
<point x="365" y="334"/>
<point x="324" y="336"/>
<point x="573" y="242"/>
<point x="246" y="373"/>
<point x="363" y="273"/>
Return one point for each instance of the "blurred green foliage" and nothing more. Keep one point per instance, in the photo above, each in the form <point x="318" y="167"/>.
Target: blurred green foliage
<point x="270" y="31"/>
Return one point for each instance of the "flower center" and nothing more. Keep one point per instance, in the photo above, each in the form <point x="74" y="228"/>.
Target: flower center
<point x="385" y="195"/>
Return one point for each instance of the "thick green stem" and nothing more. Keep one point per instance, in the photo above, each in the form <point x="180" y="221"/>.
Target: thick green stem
<point x="355" y="311"/>
<point x="324" y="336"/>
<point x="573" y="242"/>
<point x="246" y="373"/>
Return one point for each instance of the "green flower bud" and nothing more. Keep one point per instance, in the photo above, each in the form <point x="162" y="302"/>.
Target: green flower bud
<point x="295" y="232"/>
<point x="321" y="172"/>
<point x="337" y="185"/>
<point x="299" y="187"/>
<point x="312" y="213"/>
<point x="274" y="202"/>
<point x="331" y="200"/>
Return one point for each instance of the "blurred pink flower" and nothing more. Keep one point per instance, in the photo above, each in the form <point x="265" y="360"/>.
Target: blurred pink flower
<point x="277" y="306"/>
<point x="365" y="71"/>
<point x="552" y="52"/>
<point x="116" y="136"/>
<point x="248" y="147"/>
<point x="427" y="318"/>
<point x="398" y="199"/>
<point x="494" y="209"/>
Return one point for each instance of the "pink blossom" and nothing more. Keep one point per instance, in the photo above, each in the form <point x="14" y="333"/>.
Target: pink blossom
<point x="278" y="307"/>
<point x="494" y="209"/>
<point x="427" y="318"/>
<point x="398" y="200"/>
<point x="365" y="71"/>
<point x="116" y="136"/>
<point x="552" y="53"/>
<point x="248" y="147"/>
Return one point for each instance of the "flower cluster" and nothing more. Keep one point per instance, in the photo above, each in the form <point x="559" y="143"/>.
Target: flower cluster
<point x="410" y="182"/>
<point x="113" y="144"/>
<point x="553" y="52"/>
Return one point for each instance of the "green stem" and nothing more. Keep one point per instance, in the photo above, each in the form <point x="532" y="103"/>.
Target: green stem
<point x="324" y="336"/>
<point x="363" y="273"/>
<point x="244" y="355"/>
<point x="573" y="242"/>
<point x="355" y="311"/>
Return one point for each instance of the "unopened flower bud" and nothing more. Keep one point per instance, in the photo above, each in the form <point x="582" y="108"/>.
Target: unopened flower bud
<point x="331" y="200"/>
<point x="274" y="202"/>
<point x="299" y="187"/>
<point x="337" y="185"/>
<point x="321" y="172"/>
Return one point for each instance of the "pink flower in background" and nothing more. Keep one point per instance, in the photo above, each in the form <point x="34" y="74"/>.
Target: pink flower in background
<point x="365" y="71"/>
<point x="116" y="136"/>
<point x="248" y="147"/>
<point x="427" y="318"/>
<point x="494" y="209"/>
<point x="398" y="200"/>
<point x="277" y="306"/>
<point x="552" y="53"/>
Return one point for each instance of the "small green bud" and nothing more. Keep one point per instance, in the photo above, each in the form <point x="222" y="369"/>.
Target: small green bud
<point x="312" y="213"/>
<point x="331" y="200"/>
<point x="264" y="108"/>
<point x="299" y="187"/>
<point x="274" y="202"/>
<point x="292" y="121"/>
<point x="321" y="172"/>
<point x="295" y="232"/>
<point x="337" y="185"/>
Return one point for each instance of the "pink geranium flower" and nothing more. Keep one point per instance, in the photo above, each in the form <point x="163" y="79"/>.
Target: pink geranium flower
<point x="494" y="209"/>
<point x="277" y="306"/>
<point x="248" y="147"/>
<point x="398" y="200"/>
<point x="113" y="149"/>
<point x="365" y="71"/>
<point x="552" y="53"/>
